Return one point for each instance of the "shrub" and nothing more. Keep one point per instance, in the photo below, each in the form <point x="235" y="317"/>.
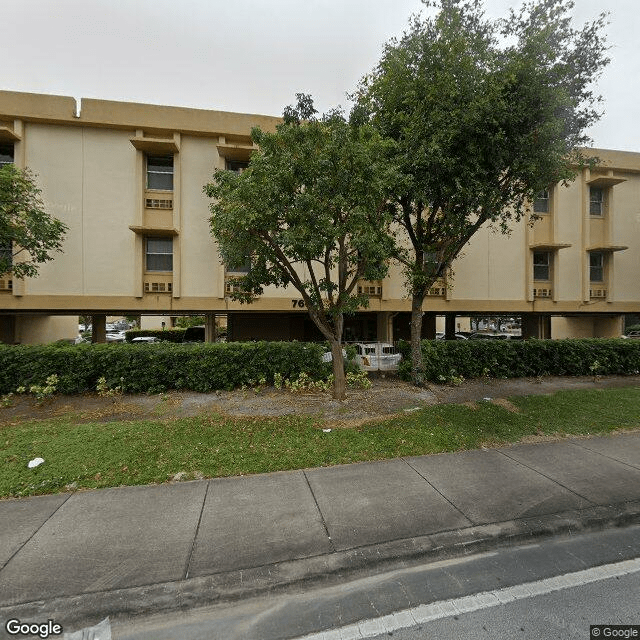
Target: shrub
<point x="157" y="367"/>
<point x="446" y="360"/>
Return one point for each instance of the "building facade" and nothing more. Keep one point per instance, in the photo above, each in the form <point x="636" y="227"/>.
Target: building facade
<point x="128" y="181"/>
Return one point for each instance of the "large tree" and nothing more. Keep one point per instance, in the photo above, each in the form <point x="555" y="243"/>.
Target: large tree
<point x="28" y="235"/>
<point x="310" y="212"/>
<point x="485" y="113"/>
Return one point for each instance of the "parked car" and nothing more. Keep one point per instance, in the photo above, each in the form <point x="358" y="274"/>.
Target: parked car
<point x="459" y="336"/>
<point x="116" y="336"/>
<point x="145" y="339"/>
<point x="633" y="334"/>
<point x="377" y="356"/>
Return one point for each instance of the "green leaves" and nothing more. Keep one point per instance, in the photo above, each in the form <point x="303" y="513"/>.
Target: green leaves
<point x="485" y="114"/>
<point x="28" y="235"/>
<point x="140" y="368"/>
<point x="524" y="358"/>
<point x="310" y="211"/>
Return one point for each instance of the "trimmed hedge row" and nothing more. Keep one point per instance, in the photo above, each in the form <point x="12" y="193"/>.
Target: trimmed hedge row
<point x="170" y="335"/>
<point x="157" y="367"/>
<point x="445" y="359"/>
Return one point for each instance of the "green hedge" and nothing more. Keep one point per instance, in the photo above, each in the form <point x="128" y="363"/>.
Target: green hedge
<point x="170" y="335"/>
<point x="444" y="359"/>
<point x="158" y="367"/>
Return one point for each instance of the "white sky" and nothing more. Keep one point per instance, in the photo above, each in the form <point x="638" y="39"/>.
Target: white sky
<point x="252" y="56"/>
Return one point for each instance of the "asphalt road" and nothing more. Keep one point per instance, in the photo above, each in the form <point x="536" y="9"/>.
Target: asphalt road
<point x="560" y="615"/>
<point x="554" y="589"/>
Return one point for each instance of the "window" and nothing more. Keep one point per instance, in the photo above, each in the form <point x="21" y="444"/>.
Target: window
<point x="596" y="266"/>
<point x="431" y="264"/>
<point x="160" y="172"/>
<point x="159" y="253"/>
<point x="6" y="254"/>
<point x="596" y="201"/>
<point x="237" y="165"/>
<point x="240" y="269"/>
<point x="542" y="265"/>
<point x="6" y="154"/>
<point x="541" y="203"/>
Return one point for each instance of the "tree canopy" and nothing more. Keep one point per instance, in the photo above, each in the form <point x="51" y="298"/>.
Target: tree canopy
<point x="311" y="212"/>
<point x="485" y="114"/>
<point x="28" y="235"/>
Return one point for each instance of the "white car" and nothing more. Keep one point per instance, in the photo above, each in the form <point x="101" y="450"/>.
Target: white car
<point x="377" y="356"/>
<point x="115" y="336"/>
<point x="143" y="339"/>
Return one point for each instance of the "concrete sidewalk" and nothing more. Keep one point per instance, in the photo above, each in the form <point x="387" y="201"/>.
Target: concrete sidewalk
<point x="77" y="558"/>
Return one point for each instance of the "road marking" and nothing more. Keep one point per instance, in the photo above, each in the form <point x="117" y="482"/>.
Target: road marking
<point x="447" y="608"/>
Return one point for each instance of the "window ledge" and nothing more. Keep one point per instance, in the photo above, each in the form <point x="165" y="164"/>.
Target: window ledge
<point x="550" y="246"/>
<point x="156" y="231"/>
<point x="7" y="135"/>
<point x="607" y="247"/>
<point x="236" y="152"/>
<point x="159" y="146"/>
<point x="602" y="182"/>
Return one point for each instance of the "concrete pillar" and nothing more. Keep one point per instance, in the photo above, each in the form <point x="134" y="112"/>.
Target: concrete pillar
<point x="608" y="326"/>
<point x="384" y="328"/>
<point x="450" y="326"/>
<point x="99" y="328"/>
<point x="429" y="326"/>
<point x="210" y="327"/>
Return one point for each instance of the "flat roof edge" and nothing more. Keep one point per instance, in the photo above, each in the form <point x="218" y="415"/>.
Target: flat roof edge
<point x="129" y="115"/>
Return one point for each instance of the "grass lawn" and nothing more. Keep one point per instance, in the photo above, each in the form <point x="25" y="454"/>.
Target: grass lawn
<point x="107" y="454"/>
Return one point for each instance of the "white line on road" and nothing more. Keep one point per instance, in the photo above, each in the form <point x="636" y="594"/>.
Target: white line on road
<point x="446" y="608"/>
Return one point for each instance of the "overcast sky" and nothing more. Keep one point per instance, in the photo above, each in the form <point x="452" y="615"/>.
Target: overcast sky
<point x="252" y="56"/>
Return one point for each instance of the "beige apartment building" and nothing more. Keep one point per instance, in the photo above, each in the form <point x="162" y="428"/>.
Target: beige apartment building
<point x="128" y="181"/>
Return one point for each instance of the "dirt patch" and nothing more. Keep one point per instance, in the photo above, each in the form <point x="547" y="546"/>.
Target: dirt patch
<point x="388" y="396"/>
<point x="505" y="404"/>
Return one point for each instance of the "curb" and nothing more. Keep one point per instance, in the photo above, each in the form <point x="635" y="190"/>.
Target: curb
<point x="325" y="570"/>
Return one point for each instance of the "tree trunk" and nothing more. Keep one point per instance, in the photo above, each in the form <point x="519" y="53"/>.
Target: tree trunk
<point x="417" y="367"/>
<point x="339" y="379"/>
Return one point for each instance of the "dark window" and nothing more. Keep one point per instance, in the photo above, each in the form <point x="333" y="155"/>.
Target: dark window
<point x="237" y="165"/>
<point x="431" y="264"/>
<point x="6" y="154"/>
<point x="541" y="203"/>
<point x="541" y="265"/>
<point x="596" y="266"/>
<point x="6" y="254"/>
<point x="160" y="172"/>
<point x="596" y="201"/>
<point x="159" y="252"/>
<point x="243" y="268"/>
